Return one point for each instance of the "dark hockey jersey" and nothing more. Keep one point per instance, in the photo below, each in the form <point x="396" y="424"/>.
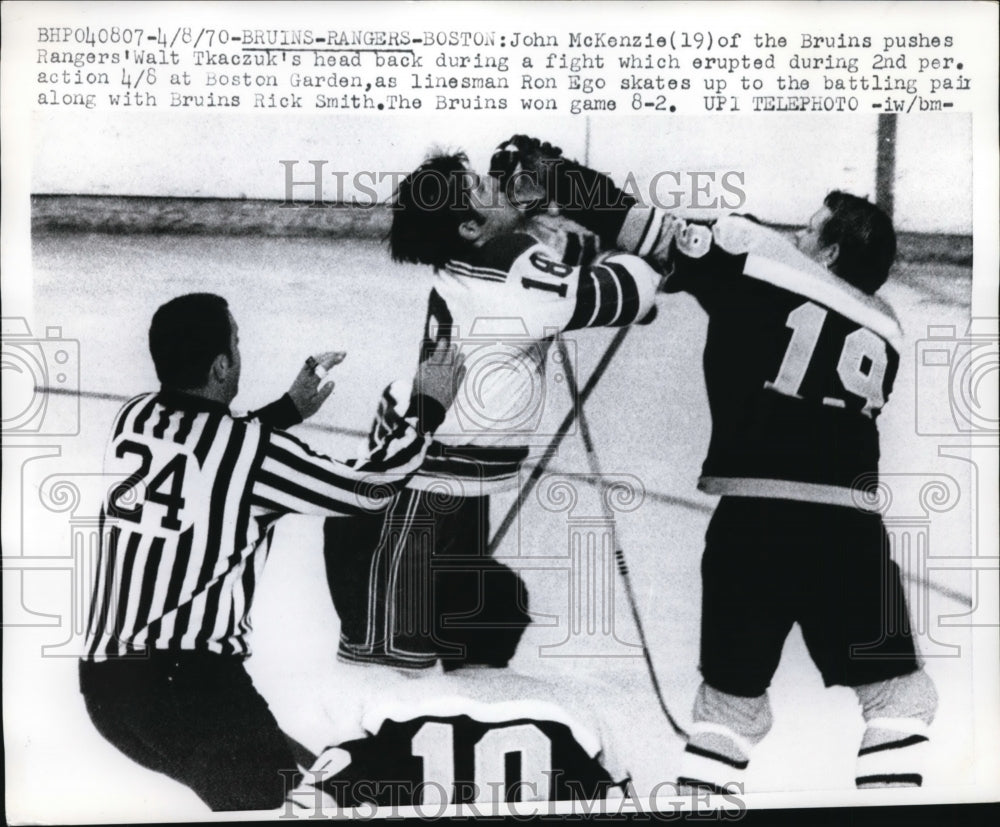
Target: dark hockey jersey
<point x="474" y="736"/>
<point x="798" y="363"/>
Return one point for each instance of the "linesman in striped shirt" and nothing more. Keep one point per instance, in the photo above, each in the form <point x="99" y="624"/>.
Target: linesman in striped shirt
<point x="185" y="537"/>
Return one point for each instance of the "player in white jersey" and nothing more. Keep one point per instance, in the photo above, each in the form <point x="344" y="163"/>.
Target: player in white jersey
<point x="500" y="297"/>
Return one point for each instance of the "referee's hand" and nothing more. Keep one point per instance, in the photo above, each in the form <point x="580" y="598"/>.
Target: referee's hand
<point x="306" y="391"/>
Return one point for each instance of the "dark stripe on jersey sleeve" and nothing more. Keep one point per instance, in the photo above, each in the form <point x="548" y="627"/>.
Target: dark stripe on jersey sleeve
<point x="181" y="558"/>
<point x="318" y="472"/>
<point x="263" y="502"/>
<point x="659" y="232"/>
<point x="380" y="433"/>
<point x="586" y="299"/>
<point x="184" y="428"/>
<point x="278" y="436"/>
<point x="220" y="498"/>
<point x="109" y="576"/>
<point x="629" y="291"/>
<point x="148" y="584"/>
<point x="131" y="549"/>
<point x="207" y="438"/>
<point x="645" y="231"/>
<point x="380" y="462"/>
<point x="403" y="456"/>
<point x="144" y="414"/>
<point x="241" y="540"/>
<point x="501" y="253"/>
<point x="608" y="299"/>
<point x="163" y="421"/>
<point x="380" y="428"/>
<point x="572" y="253"/>
<point x="97" y="572"/>
<point x="123" y="415"/>
<point x="305" y="495"/>
<point x="589" y="249"/>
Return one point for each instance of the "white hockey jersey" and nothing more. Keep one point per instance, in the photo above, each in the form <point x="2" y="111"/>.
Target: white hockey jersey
<point x="501" y="308"/>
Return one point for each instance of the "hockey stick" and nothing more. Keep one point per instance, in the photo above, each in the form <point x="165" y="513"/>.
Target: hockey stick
<point x="595" y="470"/>
<point x="560" y="435"/>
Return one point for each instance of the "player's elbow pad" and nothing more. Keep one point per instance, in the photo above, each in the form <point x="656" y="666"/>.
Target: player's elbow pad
<point x="645" y="282"/>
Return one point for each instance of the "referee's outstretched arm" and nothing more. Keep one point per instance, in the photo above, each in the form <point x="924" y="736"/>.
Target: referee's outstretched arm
<point x="184" y="539"/>
<point x="182" y="531"/>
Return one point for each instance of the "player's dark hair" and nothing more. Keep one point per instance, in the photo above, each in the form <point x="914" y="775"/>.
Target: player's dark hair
<point x="186" y="335"/>
<point x="482" y="611"/>
<point x="865" y="238"/>
<point x="428" y="207"/>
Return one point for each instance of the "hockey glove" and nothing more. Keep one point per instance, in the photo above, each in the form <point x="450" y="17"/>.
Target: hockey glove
<point x="588" y="197"/>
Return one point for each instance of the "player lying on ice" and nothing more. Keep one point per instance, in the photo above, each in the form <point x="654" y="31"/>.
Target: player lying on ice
<point x="800" y="357"/>
<point x="477" y="734"/>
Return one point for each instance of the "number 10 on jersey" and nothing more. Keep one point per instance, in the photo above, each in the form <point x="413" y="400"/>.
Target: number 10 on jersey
<point x="434" y="742"/>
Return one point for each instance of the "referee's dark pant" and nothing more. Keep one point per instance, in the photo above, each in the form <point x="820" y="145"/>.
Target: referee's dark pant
<point x="197" y="718"/>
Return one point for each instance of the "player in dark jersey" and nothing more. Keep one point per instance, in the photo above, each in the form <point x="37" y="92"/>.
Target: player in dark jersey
<point x="500" y="296"/>
<point x="800" y="358"/>
<point x="476" y="734"/>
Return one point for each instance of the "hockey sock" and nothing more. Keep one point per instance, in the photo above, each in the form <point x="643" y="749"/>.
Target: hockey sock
<point x="725" y="730"/>
<point x="898" y="713"/>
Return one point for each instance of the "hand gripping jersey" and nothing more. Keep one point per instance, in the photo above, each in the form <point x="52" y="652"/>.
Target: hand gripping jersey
<point x="798" y="363"/>
<point x="501" y="308"/>
<point x="471" y="736"/>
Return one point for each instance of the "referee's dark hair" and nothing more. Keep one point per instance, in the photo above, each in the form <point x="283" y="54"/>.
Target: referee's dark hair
<point x="186" y="335"/>
<point x="427" y="209"/>
<point x="865" y="238"/>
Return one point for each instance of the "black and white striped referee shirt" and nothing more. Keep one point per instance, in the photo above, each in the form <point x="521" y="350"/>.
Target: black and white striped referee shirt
<point x="184" y="535"/>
